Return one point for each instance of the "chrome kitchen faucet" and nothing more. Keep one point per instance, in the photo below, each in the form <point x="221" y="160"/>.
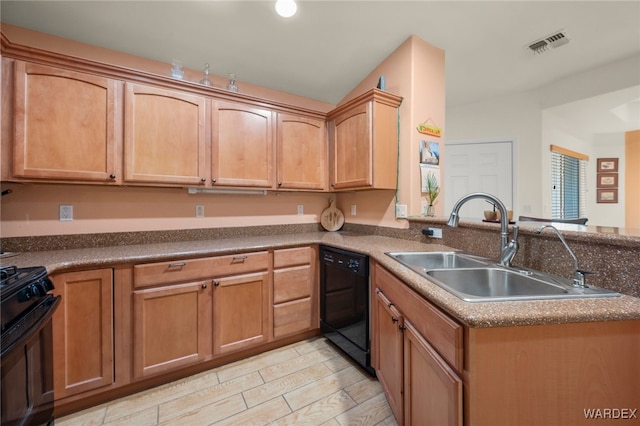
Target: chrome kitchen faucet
<point x="508" y="249"/>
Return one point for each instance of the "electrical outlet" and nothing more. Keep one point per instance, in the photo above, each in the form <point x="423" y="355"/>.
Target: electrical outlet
<point x="199" y="210"/>
<point x="66" y="213"/>
<point x="353" y="209"/>
<point x="401" y="210"/>
<point x="300" y="209"/>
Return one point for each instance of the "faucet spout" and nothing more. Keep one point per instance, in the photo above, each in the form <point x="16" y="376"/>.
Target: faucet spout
<point x="508" y="249"/>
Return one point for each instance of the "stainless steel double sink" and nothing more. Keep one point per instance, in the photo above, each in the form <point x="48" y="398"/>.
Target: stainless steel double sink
<point x="476" y="279"/>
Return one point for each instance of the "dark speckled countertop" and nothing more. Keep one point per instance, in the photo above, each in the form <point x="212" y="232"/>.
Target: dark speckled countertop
<point x="484" y="314"/>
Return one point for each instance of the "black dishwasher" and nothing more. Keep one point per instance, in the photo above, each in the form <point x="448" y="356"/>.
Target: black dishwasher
<point x="344" y="302"/>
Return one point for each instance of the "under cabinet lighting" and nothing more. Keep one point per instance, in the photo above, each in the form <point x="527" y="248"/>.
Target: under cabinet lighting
<point x="227" y="191"/>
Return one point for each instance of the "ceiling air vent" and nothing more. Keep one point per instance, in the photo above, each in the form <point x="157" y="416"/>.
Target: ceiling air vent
<point x="555" y="40"/>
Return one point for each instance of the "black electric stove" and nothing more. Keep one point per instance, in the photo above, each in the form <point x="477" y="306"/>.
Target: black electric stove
<point x="26" y="347"/>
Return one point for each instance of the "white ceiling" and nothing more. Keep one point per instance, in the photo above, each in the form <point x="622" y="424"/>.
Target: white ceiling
<point x="329" y="46"/>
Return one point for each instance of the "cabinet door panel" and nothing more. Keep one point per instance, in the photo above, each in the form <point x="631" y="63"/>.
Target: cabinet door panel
<point x="302" y="153"/>
<point x="240" y="311"/>
<point x="164" y="136"/>
<point x="242" y="145"/>
<point x="432" y="390"/>
<point x="65" y="124"/>
<point x="352" y="148"/>
<point x="83" y="332"/>
<point x="171" y="327"/>
<point x="389" y="352"/>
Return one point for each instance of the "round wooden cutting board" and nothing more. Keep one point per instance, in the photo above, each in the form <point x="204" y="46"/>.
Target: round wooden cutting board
<point x="331" y="218"/>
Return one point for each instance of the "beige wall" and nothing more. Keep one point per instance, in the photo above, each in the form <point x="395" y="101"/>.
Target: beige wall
<point x="415" y="71"/>
<point x="32" y="209"/>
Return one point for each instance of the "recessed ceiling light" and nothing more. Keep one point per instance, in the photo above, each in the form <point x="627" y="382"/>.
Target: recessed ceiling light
<point x="286" y="8"/>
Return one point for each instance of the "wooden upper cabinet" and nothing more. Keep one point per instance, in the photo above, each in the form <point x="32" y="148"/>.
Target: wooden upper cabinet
<point x="66" y="125"/>
<point x="242" y="145"/>
<point x="364" y="142"/>
<point x="301" y="153"/>
<point x="164" y="139"/>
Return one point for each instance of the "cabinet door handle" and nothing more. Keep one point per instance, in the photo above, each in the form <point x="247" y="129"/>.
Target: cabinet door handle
<point x="204" y="285"/>
<point x="216" y="283"/>
<point x="203" y="180"/>
<point x="394" y="320"/>
<point x="112" y="176"/>
<point x="213" y="181"/>
<point x="401" y="327"/>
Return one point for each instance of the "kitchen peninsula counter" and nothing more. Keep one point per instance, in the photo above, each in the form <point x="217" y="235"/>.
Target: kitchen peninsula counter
<point x="475" y="315"/>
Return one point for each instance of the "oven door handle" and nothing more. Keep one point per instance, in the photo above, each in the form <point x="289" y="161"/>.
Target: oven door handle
<point x="44" y="310"/>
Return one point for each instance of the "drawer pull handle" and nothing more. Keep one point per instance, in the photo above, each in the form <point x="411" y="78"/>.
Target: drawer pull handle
<point x="238" y="259"/>
<point x="177" y="265"/>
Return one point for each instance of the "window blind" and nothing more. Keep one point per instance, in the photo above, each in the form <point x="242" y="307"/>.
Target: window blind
<point x="568" y="184"/>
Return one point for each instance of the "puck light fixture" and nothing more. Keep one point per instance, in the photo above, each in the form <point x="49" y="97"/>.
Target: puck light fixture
<point x="286" y="8"/>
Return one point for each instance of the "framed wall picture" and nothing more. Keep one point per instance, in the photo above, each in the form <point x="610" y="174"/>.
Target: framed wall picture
<point x="607" y="180"/>
<point x="607" y="195"/>
<point x="607" y="165"/>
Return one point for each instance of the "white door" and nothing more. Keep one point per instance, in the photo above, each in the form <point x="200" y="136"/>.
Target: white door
<point x="478" y="167"/>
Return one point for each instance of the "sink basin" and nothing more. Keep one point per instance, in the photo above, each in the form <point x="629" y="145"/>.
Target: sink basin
<point x="421" y="261"/>
<point x="475" y="279"/>
<point x="495" y="283"/>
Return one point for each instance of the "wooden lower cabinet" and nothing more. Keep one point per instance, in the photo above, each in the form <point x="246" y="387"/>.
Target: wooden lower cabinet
<point x="172" y="327"/>
<point x="295" y="291"/>
<point x="83" y="332"/>
<point x="547" y="374"/>
<point x="240" y="312"/>
<point x="432" y="390"/>
<point x="420" y="386"/>
<point x="388" y="341"/>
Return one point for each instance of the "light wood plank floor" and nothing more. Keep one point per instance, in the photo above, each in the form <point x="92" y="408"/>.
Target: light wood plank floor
<point x="306" y="383"/>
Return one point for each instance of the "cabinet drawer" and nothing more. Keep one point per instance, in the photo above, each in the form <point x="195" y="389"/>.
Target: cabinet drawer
<point x="291" y="283"/>
<point x="239" y="263"/>
<point x="194" y="269"/>
<point x="171" y="272"/>
<point x="291" y="257"/>
<point x="291" y="317"/>
<point x="442" y="332"/>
